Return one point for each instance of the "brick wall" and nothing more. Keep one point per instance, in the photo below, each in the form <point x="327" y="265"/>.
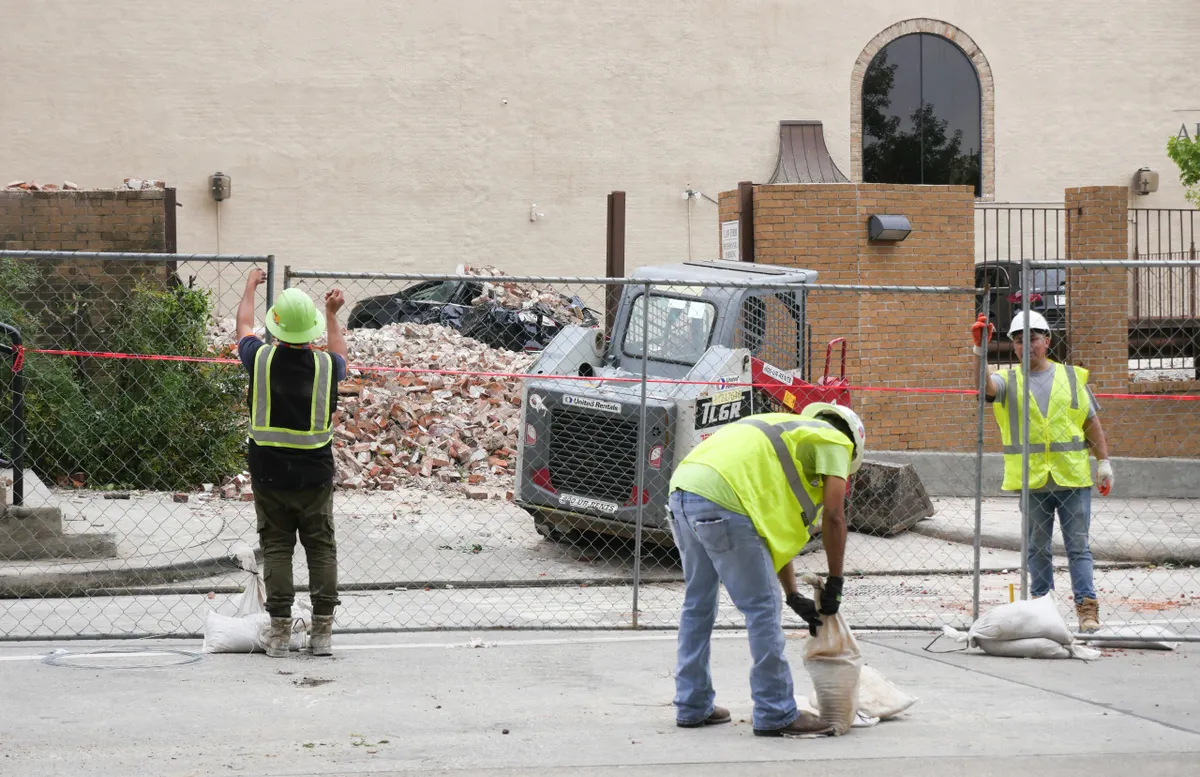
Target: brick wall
<point x="896" y="340"/>
<point x="1097" y="332"/>
<point x="74" y="298"/>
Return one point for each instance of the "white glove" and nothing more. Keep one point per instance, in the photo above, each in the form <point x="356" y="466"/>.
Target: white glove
<point x="1104" y="472"/>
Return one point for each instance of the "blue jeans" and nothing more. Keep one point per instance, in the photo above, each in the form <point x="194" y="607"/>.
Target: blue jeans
<point x="1074" y="508"/>
<point x="719" y="546"/>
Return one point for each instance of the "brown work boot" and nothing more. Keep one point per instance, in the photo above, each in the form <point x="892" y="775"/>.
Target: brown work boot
<point x="279" y="640"/>
<point x="321" y="637"/>
<point x="1088" y="613"/>
<point x="806" y="725"/>
<point x="718" y="715"/>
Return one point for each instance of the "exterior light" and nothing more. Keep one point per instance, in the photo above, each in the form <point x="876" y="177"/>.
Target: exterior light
<point x="893" y="228"/>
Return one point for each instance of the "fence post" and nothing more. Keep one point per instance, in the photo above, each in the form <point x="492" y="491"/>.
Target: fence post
<point x="270" y="292"/>
<point x="18" y="415"/>
<point x="641" y="458"/>
<point x="1026" y="293"/>
<point x="983" y="377"/>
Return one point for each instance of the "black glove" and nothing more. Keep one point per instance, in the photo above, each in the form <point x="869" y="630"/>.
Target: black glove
<point x="807" y="609"/>
<point x="831" y="595"/>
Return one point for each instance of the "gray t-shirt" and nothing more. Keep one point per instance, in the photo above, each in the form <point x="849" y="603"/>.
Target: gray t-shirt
<point x="1040" y="384"/>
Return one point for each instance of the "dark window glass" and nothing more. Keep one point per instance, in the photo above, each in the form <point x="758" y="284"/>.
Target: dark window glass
<point x="921" y="114"/>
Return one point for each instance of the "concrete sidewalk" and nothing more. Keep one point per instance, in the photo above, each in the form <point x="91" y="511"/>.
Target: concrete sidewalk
<point x="573" y="703"/>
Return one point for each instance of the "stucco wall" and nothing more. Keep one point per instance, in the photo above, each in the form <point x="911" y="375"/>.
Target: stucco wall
<point x="412" y="136"/>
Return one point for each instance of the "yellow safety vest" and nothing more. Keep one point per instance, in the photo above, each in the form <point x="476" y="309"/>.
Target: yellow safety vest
<point x="320" y="428"/>
<point x="759" y="458"/>
<point x="1057" y="444"/>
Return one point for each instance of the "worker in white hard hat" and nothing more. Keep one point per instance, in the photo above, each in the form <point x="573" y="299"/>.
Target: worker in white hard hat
<point x="1064" y="426"/>
<point x="742" y="503"/>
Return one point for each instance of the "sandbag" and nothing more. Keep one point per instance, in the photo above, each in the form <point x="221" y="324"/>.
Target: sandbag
<point x="1028" y="647"/>
<point x="1023" y="619"/>
<point x="248" y="629"/>
<point x="834" y="662"/>
<point x="878" y="699"/>
<point x="1163" y="637"/>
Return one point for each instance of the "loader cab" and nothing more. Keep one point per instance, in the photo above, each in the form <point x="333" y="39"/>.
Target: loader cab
<point x="686" y="319"/>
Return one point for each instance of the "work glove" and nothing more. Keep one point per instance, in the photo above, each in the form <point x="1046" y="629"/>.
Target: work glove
<point x="831" y="595"/>
<point x="807" y="609"/>
<point x="977" y="330"/>
<point x="1104" y="474"/>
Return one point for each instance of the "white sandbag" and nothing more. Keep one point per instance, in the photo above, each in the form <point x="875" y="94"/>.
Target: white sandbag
<point x="235" y="634"/>
<point x="1023" y="619"/>
<point x="1029" y="647"/>
<point x="1032" y="647"/>
<point x="877" y="697"/>
<point x="1153" y="638"/>
<point x="834" y="662"/>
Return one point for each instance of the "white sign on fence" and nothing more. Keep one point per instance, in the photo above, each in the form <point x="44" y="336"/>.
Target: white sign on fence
<point x="729" y="241"/>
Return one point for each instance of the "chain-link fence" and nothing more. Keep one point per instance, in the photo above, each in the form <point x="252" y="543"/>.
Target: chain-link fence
<point x="503" y="457"/>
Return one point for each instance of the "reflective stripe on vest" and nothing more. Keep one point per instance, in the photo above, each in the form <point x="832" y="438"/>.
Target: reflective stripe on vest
<point x="320" y="430"/>
<point x="774" y="433"/>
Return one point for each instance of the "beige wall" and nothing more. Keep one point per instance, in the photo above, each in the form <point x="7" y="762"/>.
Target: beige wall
<point x="375" y="135"/>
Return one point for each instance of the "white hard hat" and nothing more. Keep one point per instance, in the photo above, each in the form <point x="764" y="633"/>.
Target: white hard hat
<point x="1037" y="322"/>
<point x="819" y="409"/>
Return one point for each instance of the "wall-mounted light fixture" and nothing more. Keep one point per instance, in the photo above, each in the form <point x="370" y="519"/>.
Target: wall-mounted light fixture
<point x="1145" y="181"/>
<point x="893" y="228"/>
<point x="220" y="186"/>
<point x="534" y="213"/>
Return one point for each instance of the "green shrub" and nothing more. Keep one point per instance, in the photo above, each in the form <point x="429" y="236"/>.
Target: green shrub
<point x="132" y="424"/>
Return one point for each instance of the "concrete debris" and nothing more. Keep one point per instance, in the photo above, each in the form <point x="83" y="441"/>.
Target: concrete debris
<point x="395" y="428"/>
<point x="139" y="183"/>
<point x="525" y="296"/>
<point x="450" y="432"/>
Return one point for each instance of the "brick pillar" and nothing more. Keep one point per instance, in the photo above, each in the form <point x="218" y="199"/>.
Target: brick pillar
<point x="1098" y="297"/>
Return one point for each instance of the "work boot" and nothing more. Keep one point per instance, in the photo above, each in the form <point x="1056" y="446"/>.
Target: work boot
<point x="806" y="725"/>
<point x="718" y="715"/>
<point x="279" y="640"/>
<point x="1088" y="613"/>
<point x="321" y="637"/>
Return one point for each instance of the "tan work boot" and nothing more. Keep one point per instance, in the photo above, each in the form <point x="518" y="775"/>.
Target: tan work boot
<point x="321" y="637"/>
<point x="1088" y="613"/>
<point x="279" y="640"/>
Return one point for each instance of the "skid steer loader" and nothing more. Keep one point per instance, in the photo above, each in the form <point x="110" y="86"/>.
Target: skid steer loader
<point x="714" y="354"/>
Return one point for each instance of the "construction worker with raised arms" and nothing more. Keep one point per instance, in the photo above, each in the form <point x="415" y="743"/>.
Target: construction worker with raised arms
<point x="292" y="397"/>
<point x="1063" y="427"/>
<point x="742" y="503"/>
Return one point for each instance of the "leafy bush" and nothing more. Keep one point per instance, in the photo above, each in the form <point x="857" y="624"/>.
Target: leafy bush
<point x="1185" y="152"/>
<point x="131" y="424"/>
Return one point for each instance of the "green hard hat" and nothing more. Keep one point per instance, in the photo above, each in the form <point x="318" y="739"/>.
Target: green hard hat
<point x="294" y="318"/>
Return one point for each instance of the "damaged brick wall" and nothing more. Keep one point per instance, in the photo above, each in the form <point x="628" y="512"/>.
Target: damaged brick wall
<point x="74" y="297"/>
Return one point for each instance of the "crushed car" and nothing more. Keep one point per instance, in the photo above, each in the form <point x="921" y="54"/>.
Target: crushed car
<point x="512" y="316"/>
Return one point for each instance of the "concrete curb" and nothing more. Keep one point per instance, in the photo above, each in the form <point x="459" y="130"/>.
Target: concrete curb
<point x="24" y="584"/>
<point x="1185" y="553"/>
<point x="953" y="474"/>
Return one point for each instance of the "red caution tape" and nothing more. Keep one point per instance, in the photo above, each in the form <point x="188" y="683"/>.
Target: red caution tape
<point x="20" y="359"/>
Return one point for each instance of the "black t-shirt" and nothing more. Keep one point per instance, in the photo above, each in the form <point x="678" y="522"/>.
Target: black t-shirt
<point x="292" y="373"/>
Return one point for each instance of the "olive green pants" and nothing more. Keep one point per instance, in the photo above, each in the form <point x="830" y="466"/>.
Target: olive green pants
<point x="282" y="515"/>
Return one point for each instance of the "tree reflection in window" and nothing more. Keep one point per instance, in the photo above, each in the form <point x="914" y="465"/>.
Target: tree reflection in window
<point x="921" y="114"/>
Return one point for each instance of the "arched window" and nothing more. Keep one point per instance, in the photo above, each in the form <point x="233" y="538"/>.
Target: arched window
<point x="921" y="114"/>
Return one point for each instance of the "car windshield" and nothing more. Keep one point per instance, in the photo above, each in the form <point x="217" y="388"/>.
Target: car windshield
<point x="1048" y="280"/>
<point x="679" y="328"/>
